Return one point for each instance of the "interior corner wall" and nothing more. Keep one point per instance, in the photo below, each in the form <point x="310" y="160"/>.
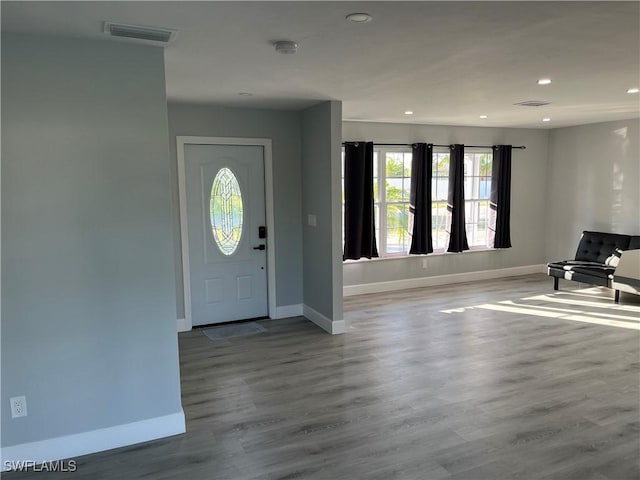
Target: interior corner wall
<point x="528" y="202"/>
<point x="593" y="183"/>
<point x="283" y="128"/>
<point x="321" y="197"/>
<point x="88" y="309"/>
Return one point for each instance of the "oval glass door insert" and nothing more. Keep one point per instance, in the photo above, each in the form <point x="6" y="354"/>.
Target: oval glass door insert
<point x="226" y="209"/>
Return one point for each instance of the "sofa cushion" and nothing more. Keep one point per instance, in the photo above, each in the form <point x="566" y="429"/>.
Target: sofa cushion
<point x="588" y="278"/>
<point x="599" y="247"/>
<point x="584" y="268"/>
<point x="602" y="272"/>
<point x="567" y="264"/>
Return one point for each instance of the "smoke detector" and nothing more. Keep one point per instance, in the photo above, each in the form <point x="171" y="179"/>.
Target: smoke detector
<point x="286" y="47"/>
<point x="359" y="17"/>
<point x="140" y="33"/>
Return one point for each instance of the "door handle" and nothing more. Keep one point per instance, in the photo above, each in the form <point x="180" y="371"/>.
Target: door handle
<point x="260" y="247"/>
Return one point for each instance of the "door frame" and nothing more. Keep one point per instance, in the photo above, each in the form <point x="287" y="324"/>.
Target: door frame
<point x="265" y="143"/>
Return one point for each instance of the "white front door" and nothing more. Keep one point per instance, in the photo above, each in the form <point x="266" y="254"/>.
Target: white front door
<point x="225" y="205"/>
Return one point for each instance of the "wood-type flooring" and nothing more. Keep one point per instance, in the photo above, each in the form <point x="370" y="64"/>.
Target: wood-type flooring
<point x="502" y="379"/>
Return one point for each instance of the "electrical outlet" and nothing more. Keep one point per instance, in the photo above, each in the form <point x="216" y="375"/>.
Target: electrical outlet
<point x="18" y="406"/>
<point x="424" y="263"/>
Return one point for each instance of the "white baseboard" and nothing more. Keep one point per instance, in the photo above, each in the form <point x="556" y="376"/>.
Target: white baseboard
<point x="334" y="327"/>
<point x="183" y="326"/>
<point x="288" y="311"/>
<point x="407" y="283"/>
<point x="69" y="446"/>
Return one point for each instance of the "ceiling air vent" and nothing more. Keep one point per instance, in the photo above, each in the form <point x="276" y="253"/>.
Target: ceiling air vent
<point x="152" y="35"/>
<point x="532" y="103"/>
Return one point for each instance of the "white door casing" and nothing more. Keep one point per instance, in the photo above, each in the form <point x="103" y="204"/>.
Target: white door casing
<point x="191" y="164"/>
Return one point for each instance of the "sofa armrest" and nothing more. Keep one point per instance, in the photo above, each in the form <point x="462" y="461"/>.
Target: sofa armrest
<point x="627" y="275"/>
<point x="629" y="265"/>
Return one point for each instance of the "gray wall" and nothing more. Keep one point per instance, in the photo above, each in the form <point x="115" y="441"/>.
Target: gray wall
<point x="529" y="176"/>
<point x="88" y="309"/>
<point x="321" y="197"/>
<point x="594" y="183"/>
<point x="283" y="128"/>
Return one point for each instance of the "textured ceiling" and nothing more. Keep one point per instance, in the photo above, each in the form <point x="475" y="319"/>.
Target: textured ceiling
<point x="448" y="62"/>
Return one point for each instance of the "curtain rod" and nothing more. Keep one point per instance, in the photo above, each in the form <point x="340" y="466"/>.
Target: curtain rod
<point x="521" y="147"/>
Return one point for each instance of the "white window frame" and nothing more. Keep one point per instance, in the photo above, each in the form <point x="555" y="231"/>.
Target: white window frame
<point x="381" y="221"/>
<point x="438" y="151"/>
<point x="474" y="196"/>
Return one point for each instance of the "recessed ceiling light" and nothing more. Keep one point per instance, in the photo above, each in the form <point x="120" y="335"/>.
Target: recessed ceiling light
<point x="358" y="17"/>
<point x="483" y="116"/>
<point x="633" y="90"/>
<point x="408" y="112"/>
<point x="245" y="94"/>
<point x="286" y="47"/>
<point x="546" y="119"/>
<point x="544" y="81"/>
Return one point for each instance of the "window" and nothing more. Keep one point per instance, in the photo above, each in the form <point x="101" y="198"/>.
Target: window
<point x="439" y="195"/>
<point x="226" y="211"/>
<point x="392" y="187"/>
<point x="391" y="190"/>
<point x="477" y="192"/>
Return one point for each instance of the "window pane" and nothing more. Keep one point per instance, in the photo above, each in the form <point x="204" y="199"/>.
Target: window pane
<point x="486" y="161"/>
<point x="375" y="177"/>
<point x="393" y="189"/>
<point x="470" y="214"/>
<point x="485" y="187"/>
<point x="397" y="223"/>
<point x="440" y="188"/>
<point x="439" y="219"/>
<point x="440" y="238"/>
<point x="406" y="189"/>
<point x="441" y="165"/>
<point x="468" y="164"/>
<point x="395" y="165"/>
<point x="226" y="211"/>
<point x="469" y="191"/>
<point x="376" y="212"/>
<point x="407" y="165"/>
<point x="375" y="164"/>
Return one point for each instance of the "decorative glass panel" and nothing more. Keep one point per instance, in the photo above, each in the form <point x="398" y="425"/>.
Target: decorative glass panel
<point x="227" y="213"/>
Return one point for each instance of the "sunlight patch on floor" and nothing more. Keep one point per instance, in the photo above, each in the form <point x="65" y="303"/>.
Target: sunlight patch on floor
<point x="578" y="316"/>
<point x="556" y="298"/>
<point x="559" y="305"/>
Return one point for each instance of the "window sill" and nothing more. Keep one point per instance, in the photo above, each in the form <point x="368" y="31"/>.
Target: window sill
<point x="405" y="256"/>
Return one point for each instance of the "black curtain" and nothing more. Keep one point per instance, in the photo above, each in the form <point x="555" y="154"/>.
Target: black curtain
<point x="420" y="199"/>
<point x="500" y="206"/>
<point x="455" y="204"/>
<point x="359" y="215"/>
